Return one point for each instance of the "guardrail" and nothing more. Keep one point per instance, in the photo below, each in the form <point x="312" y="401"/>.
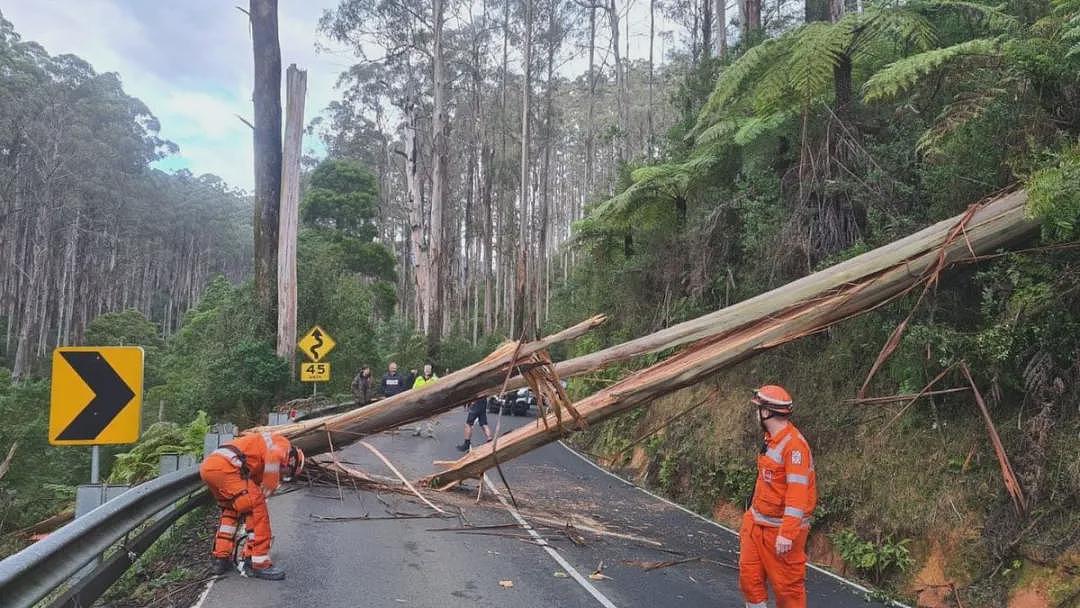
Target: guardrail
<point x="33" y="573"/>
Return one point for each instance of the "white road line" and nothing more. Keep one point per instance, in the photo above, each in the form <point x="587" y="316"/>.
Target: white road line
<point x="574" y="574"/>
<point x="850" y="583"/>
<point x="205" y="593"/>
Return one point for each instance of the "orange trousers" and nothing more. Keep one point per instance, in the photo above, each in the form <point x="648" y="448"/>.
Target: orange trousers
<point x="238" y="497"/>
<point x="758" y="563"/>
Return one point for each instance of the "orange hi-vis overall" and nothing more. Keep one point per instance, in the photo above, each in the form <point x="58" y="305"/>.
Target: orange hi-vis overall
<point x="784" y="498"/>
<point x="240" y="475"/>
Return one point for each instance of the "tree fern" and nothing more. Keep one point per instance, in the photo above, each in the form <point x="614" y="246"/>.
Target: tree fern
<point x="901" y="75"/>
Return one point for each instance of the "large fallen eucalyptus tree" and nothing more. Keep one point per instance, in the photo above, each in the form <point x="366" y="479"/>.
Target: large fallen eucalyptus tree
<point x="324" y="434"/>
<point x="786" y="313"/>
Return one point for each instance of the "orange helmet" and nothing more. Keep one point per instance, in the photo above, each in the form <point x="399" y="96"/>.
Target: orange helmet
<point x="773" y="398"/>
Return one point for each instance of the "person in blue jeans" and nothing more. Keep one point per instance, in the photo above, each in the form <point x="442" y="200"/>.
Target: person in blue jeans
<point x="477" y="414"/>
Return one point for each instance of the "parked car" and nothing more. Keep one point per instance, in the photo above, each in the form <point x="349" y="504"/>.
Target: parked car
<point x="523" y="400"/>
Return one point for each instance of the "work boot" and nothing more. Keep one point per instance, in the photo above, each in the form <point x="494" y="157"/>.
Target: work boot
<point x="273" y="573"/>
<point x="464" y="447"/>
<point x="219" y="565"/>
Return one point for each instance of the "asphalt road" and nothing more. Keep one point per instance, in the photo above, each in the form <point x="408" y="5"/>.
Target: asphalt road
<point x="402" y="563"/>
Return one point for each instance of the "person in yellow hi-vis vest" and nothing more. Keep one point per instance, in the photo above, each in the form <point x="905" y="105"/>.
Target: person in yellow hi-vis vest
<point x="420" y="382"/>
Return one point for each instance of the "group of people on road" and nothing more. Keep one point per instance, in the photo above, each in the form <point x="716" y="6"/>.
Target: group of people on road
<point x="772" y="538"/>
<point x="365" y="390"/>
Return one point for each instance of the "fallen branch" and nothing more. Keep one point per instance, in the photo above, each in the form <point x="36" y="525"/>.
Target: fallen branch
<point x="649" y="566"/>
<point x="4" y="466"/>
<point x="905" y="397"/>
<point x="1012" y="485"/>
<point x="391" y="466"/>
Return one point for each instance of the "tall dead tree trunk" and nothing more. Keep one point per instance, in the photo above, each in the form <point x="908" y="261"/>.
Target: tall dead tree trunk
<point x="413" y="184"/>
<point x="590" y="133"/>
<point x="295" y="90"/>
<point x="620" y="82"/>
<point x="267" y="142"/>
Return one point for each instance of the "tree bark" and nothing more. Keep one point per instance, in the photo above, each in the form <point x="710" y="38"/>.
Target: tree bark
<point x="267" y="142"/>
<point x="438" y="266"/>
<point x="524" y="325"/>
<point x="296" y="89"/>
<point x="720" y="9"/>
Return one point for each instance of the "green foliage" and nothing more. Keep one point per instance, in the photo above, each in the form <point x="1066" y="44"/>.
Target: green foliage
<point x="141" y="462"/>
<point x="902" y="74"/>
<point x="129" y="328"/>
<point x="214" y="363"/>
<point x="1054" y="196"/>
<point x="877" y="559"/>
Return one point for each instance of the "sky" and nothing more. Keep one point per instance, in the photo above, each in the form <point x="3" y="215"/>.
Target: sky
<point x="190" y="62"/>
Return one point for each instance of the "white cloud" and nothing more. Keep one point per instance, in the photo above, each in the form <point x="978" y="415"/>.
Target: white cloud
<point x="189" y="61"/>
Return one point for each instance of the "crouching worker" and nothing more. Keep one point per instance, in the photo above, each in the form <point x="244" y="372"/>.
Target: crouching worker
<point x="240" y="475"/>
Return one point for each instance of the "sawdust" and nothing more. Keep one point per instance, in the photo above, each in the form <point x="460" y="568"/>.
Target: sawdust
<point x="932" y="588"/>
<point x="1030" y="598"/>
<point x="728" y="514"/>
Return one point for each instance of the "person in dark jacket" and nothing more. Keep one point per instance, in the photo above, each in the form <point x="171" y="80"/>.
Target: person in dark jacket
<point x="361" y="386"/>
<point x="392" y="382"/>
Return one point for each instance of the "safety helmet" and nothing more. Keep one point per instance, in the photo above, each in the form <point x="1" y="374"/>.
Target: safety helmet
<point x="773" y="398"/>
<point x="294" y="465"/>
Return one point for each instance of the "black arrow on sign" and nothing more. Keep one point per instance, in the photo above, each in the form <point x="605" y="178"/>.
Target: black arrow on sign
<point x="318" y="344"/>
<point x="111" y="394"/>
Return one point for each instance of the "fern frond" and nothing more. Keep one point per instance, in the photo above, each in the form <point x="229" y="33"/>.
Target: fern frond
<point x="965" y="109"/>
<point x="898" y="23"/>
<point x="901" y="75"/>
<point x="1069" y="13"/>
<point x="717" y="133"/>
<point x="994" y="18"/>
<point x="758" y="126"/>
<point x="1054" y="196"/>
<point x="816" y="49"/>
<point x="733" y="80"/>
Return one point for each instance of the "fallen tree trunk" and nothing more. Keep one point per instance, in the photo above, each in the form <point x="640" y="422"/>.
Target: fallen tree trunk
<point x="810" y="286"/>
<point x="782" y="315"/>
<point x="319" y="435"/>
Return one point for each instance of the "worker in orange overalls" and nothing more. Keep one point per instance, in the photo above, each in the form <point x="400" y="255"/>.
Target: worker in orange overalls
<point x="240" y="475"/>
<point x="772" y="541"/>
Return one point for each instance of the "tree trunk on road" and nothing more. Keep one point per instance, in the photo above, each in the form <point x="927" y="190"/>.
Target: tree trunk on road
<point x="785" y="314"/>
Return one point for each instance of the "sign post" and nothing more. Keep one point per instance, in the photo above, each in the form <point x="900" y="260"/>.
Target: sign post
<point x="315" y="345"/>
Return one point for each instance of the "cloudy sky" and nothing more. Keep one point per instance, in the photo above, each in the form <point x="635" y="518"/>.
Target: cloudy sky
<point x="189" y="61"/>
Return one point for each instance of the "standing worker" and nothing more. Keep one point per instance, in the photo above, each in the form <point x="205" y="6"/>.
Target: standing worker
<point x="772" y="541"/>
<point x="240" y="475"/>
<point x="420" y="382"/>
<point x="393" y="383"/>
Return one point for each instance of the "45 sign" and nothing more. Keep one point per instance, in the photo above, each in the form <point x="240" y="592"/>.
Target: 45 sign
<point x="315" y="372"/>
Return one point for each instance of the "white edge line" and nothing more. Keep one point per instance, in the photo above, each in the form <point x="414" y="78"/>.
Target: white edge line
<point x="851" y="583"/>
<point x="205" y="593"/>
<point x="593" y="591"/>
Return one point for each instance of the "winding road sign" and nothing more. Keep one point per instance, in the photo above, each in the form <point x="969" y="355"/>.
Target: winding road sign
<point x="96" y="395"/>
<point x="316" y="344"/>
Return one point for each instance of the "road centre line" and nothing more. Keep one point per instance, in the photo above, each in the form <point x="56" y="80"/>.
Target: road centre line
<point x="850" y="583"/>
<point x="574" y="574"/>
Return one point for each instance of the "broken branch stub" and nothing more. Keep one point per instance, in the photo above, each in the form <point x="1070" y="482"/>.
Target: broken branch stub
<point x="780" y="316"/>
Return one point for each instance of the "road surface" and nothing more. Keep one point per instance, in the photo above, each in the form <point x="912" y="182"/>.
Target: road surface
<point x="401" y="563"/>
